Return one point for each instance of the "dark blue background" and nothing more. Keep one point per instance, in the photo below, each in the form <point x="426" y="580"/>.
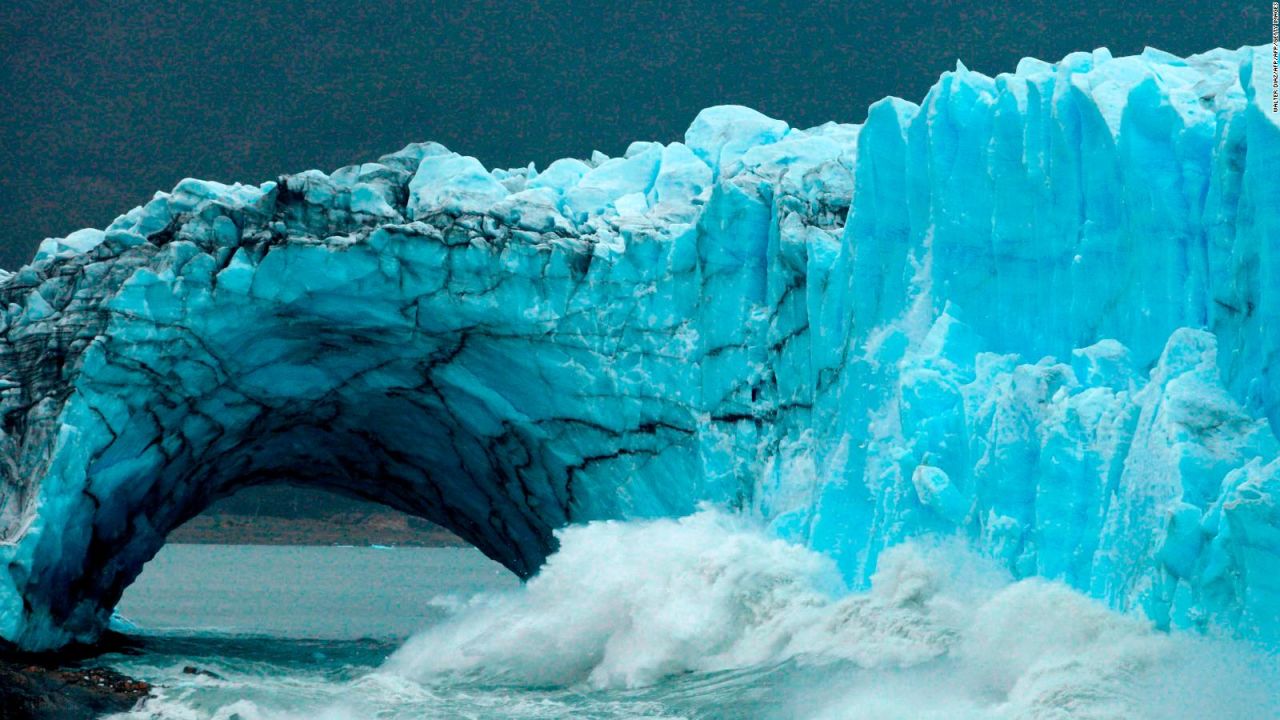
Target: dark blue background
<point x="104" y="103"/>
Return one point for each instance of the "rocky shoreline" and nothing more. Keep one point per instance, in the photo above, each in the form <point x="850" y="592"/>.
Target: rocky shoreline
<point x="64" y="686"/>
<point x="352" y="528"/>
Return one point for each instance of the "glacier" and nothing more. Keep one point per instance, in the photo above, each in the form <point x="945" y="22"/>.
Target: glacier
<point x="1039" y="312"/>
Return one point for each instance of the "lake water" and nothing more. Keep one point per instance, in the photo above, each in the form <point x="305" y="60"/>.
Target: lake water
<point x="330" y="593"/>
<point x="705" y="617"/>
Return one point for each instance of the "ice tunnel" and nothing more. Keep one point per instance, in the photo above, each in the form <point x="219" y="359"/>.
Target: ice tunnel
<point x="1037" y="311"/>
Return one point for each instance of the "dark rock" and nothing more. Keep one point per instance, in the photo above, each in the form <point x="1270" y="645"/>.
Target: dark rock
<point x="36" y="691"/>
<point x="193" y="670"/>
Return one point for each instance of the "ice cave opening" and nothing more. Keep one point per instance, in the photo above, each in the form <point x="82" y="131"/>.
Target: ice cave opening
<point x="371" y="434"/>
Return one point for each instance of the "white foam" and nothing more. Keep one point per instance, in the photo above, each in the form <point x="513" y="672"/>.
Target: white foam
<point x="941" y="633"/>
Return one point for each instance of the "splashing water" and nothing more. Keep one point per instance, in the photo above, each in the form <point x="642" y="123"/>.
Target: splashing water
<point x="709" y="616"/>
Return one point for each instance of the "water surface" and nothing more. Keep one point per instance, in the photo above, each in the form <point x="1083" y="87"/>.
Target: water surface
<point x="334" y="593"/>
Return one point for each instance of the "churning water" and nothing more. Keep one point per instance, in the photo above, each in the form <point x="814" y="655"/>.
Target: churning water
<point x="703" y="617"/>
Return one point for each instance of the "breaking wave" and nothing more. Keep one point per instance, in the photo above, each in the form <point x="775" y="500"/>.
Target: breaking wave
<point x="940" y="633"/>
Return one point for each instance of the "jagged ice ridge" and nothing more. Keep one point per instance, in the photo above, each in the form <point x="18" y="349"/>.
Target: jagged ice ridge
<point x="1040" y="311"/>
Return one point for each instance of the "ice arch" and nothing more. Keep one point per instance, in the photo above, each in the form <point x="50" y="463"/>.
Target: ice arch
<point x="483" y="387"/>
<point x="1038" y="311"/>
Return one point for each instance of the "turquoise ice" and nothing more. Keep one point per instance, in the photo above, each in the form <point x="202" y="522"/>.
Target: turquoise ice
<point x="1039" y="311"/>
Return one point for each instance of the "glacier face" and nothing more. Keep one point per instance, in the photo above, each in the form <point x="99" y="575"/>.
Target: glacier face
<point x="1040" y="311"/>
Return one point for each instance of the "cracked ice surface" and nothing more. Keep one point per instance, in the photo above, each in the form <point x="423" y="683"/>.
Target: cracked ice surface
<point x="1039" y="311"/>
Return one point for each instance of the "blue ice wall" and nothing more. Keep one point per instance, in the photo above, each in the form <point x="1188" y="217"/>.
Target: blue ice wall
<point x="1038" y="311"/>
<point x="1063" y="285"/>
